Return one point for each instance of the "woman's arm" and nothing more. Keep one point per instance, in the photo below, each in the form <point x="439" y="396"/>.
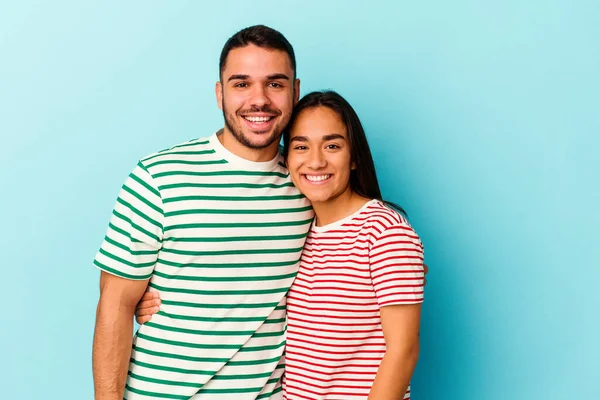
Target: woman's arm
<point x="400" y="324"/>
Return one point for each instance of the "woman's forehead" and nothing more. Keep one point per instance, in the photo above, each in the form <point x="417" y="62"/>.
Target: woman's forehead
<point x="317" y="122"/>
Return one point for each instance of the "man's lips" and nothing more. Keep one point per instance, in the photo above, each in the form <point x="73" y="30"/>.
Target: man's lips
<point x="259" y="122"/>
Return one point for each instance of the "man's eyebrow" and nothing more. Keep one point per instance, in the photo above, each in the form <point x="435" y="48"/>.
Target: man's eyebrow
<point x="278" y="76"/>
<point x="238" y="76"/>
<point x="269" y="77"/>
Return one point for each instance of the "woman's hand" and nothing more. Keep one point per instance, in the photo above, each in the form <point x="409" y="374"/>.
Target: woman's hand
<point x="148" y="306"/>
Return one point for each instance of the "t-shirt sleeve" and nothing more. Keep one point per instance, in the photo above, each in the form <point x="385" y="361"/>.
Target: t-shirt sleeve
<point x="396" y="262"/>
<point x="134" y="236"/>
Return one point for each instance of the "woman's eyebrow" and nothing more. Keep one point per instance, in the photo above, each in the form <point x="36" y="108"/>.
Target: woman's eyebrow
<point x="299" y="139"/>
<point x="333" y="136"/>
<point x="324" y="138"/>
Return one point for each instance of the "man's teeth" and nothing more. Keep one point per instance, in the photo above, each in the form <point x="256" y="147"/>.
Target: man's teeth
<point x="317" y="178"/>
<point x="258" y="119"/>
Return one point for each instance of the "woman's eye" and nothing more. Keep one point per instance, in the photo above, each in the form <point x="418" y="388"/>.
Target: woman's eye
<point x="333" y="146"/>
<point x="300" y="148"/>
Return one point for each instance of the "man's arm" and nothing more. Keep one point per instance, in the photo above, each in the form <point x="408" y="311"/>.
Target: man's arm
<point x="113" y="334"/>
<point x="400" y="324"/>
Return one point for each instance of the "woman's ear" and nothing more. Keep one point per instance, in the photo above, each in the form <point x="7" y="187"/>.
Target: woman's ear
<point x="353" y="166"/>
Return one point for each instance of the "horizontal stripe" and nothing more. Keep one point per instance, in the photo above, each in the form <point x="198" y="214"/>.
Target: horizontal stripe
<point x="179" y="356"/>
<point x="259" y="278"/>
<point x="230" y="252"/>
<point x="212" y="319"/>
<point x="169" y="152"/>
<point x="172" y="369"/>
<point x="268" y="395"/>
<point x="119" y="273"/>
<point x="220" y="305"/>
<point x="194" y="345"/>
<point x="242" y="376"/>
<point x="217" y="292"/>
<point x="126" y="262"/>
<point x="123" y="232"/>
<point x="164" y="381"/>
<point x="237" y="211"/>
<point x="233" y="198"/>
<point x="215" y="332"/>
<point x="139" y="213"/>
<point x="229" y="265"/>
<point x="136" y="226"/>
<point x="212" y="332"/>
<point x="186" y="162"/>
<point x="155" y="394"/>
<point x="201" y="372"/>
<point x="142" y="199"/>
<point x="238" y="185"/>
<point x="239" y="225"/>
<point x="142" y="182"/>
<point x="221" y="173"/>
<point x="233" y="238"/>
<point x="128" y="249"/>
<point x="231" y="390"/>
<point x="206" y="359"/>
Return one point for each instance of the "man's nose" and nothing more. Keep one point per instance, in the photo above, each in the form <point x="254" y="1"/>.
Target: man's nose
<point x="259" y="97"/>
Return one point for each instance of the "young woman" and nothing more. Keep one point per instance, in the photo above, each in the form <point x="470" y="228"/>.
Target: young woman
<point x="354" y="307"/>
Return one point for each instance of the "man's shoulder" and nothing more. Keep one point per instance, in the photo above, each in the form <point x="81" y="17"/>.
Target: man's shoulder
<point x="194" y="146"/>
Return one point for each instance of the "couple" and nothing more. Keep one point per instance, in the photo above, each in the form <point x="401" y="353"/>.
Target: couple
<point x="221" y="232"/>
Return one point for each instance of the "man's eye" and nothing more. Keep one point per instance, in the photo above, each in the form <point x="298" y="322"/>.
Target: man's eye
<point x="241" y="85"/>
<point x="275" y="85"/>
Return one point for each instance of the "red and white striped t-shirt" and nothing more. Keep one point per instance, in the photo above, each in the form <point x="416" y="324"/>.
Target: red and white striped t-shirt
<point x="349" y="269"/>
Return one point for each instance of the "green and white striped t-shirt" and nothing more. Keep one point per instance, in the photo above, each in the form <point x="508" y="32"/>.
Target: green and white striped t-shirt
<point x="220" y="238"/>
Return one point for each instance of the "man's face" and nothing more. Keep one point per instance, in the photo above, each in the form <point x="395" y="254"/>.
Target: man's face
<point x="257" y="93"/>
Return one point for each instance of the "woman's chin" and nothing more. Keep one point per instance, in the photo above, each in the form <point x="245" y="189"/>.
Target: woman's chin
<point x="317" y="198"/>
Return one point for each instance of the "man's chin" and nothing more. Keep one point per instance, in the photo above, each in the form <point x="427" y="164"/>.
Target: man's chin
<point x="260" y="140"/>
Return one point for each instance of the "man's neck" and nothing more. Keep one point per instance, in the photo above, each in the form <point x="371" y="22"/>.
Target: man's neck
<point x="229" y="141"/>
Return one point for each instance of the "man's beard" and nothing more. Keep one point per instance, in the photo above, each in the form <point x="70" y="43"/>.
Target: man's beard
<point x="237" y="132"/>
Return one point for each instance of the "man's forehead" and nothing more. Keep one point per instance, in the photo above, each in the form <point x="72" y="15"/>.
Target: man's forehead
<point x="255" y="61"/>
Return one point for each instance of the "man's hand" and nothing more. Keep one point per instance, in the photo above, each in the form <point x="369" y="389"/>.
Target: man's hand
<point x="147" y="307"/>
<point x="113" y="334"/>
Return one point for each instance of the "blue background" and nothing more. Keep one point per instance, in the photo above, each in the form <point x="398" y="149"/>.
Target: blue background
<point x="483" y="119"/>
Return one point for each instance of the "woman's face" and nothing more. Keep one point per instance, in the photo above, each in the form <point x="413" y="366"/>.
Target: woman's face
<point x="319" y="158"/>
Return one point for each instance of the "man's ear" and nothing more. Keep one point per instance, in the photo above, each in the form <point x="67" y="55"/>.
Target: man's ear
<point x="296" y="91"/>
<point x="219" y="94"/>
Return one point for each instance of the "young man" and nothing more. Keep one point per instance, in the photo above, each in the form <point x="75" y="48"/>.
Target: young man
<point x="217" y="228"/>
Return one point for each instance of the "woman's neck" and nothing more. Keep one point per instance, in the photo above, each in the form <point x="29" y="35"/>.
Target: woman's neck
<point x="333" y="210"/>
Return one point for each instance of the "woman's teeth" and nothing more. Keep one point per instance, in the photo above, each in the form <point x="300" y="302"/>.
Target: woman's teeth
<point x="317" y="178"/>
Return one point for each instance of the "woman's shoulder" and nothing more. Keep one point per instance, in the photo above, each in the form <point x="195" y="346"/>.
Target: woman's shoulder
<point x="386" y="225"/>
<point x="378" y="213"/>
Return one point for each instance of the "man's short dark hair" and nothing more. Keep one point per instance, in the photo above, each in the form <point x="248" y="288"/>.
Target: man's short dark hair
<point x="261" y="36"/>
